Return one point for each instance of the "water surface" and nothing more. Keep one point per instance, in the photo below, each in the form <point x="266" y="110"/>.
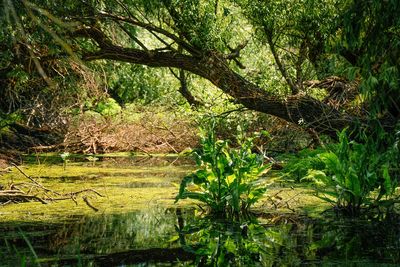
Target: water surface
<point x="138" y="223"/>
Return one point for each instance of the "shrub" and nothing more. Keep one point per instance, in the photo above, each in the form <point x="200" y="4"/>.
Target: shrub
<point x="299" y="166"/>
<point x="227" y="178"/>
<point x="108" y="107"/>
<point x="358" y="175"/>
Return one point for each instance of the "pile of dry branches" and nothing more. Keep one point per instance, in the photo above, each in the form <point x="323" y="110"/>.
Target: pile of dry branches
<point x="151" y="133"/>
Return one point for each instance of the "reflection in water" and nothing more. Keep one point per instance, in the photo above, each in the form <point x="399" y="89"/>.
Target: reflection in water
<point x="219" y="243"/>
<point x="367" y="241"/>
<point x="135" y="237"/>
<point x="301" y="242"/>
<point x="169" y="237"/>
<point x="159" y="236"/>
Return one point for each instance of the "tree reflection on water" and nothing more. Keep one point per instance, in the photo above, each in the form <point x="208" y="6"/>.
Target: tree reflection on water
<point x="291" y="241"/>
<point x="181" y="237"/>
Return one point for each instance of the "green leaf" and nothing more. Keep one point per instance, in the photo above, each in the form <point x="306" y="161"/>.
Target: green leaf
<point x="353" y="182"/>
<point x="316" y="176"/>
<point x="387" y="181"/>
<point x="230" y="245"/>
<point x="173" y="239"/>
<point x="230" y="179"/>
<point x="196" y="195"/>
<point x="184" y="184"/>
<point x="326" y="199"/>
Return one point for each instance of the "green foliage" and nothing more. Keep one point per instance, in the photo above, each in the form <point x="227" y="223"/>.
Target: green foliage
<point x="37" y="80"/>
<point x="224" y="243"/>
<point x="227" y="180"/>
<point x="7" y="119"/>
<point x="299" y="165"/>
<point x="358" y="175"/>
<point x="32" y="250"/>
<point x="226" y="119"/>
<point x="303" y="25"/>
<point x="129" y="83"/>
<point x="198" y="22"/>
<point x="370" y="41"/>
<point x="109" y="107"/>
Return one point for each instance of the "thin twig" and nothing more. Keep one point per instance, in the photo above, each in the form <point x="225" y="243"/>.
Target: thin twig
<point x="82" y="191"/>
<point x="11" y="197"/>
<point x="27" y="176"/>
<point x="34" y="181"/>
<point x="6" y="203"/>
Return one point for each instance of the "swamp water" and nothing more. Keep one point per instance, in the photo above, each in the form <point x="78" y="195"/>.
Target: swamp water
<point x="138" y="224"/>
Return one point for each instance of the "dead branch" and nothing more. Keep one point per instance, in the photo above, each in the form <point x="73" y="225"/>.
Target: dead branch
<point x="37" y="192"/>
<point x="84" y="191"/>
<point x="12" y="192"/>
<point x="20" y="198"/>
<point x="34" y="181"/>
<point x="86" y="200"/>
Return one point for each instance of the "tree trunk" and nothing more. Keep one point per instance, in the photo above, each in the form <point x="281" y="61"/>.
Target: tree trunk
<point x="300" y="109"/>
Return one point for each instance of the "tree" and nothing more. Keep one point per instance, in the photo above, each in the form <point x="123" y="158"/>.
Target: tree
<point x="38" y="81"/>
<point x="347" y="49"/>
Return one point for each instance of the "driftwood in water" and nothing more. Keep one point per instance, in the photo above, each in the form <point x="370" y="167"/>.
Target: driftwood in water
<point x="35" y="191"/>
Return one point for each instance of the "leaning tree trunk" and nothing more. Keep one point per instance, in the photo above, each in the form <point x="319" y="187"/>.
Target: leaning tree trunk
<point x="299" y="109"/>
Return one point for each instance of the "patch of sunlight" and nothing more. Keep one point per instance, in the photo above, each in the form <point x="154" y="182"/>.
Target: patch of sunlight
<point x="131" y="189"/>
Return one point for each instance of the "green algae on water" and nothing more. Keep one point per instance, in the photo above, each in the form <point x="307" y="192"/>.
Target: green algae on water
<point x="125" y="189"/>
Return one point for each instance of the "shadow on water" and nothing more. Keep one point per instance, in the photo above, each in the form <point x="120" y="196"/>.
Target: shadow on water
<point x="175" y="237"/>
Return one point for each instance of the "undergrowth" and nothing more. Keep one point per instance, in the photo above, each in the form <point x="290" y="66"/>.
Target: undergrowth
<point x="352" y="175"/>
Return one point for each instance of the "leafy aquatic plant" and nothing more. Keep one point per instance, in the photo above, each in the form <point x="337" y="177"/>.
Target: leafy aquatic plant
<point x="358" y="175"/>
<point x="227" y="180"/>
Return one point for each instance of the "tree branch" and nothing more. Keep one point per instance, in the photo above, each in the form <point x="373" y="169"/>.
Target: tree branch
<point x="299" y="109"/>
<point x="184" y="88"/>
<point x="281" y="68"/>
<point x="136" y="40"/>
<point x="152" y="28"/>
<point x="235" y="54"/>
<point x="185" y="91"/>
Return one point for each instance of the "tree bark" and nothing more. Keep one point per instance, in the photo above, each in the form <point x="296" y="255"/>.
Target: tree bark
<point x="299" y="109"/>
<point x="185" y="91"/>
